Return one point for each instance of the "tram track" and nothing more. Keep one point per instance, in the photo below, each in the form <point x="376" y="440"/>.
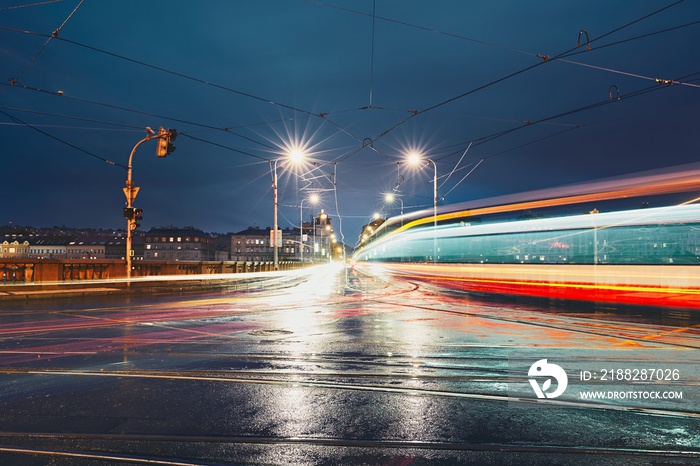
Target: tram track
<point x="313" y="442"/>
<point x="183" y="376"/>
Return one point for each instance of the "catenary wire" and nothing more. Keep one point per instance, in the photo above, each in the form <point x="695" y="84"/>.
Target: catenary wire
<point x="54" y="35"/>
<point x="62" y="141"/>
<point x="29" y="5"/>
<point x="138" y="112"/>
<point x="521" y="71"/>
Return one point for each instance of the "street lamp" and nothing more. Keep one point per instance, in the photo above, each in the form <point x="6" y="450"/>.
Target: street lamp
<point x="295" y="156"/>
<point x="313" y="199"/>
<point x="390" y="198"/>
<point x="415" y="159"/>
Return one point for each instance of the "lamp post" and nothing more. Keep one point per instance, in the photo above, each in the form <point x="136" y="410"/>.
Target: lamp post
<point x="415" y="159"/>
<point x="295" y="156"/>
<point x="313" y="199"/>
<point x="328" y="241"/>
<point x="313" y="248"/>
<point x="390" y="198"/>
<point x="323" y="219"/>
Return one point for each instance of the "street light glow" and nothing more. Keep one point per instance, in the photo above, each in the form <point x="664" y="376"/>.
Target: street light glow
<point x="313" y="198"/>
<point x="414" y="158"/>
<point x="296" y="155"/>
<point x="389" y="197"/>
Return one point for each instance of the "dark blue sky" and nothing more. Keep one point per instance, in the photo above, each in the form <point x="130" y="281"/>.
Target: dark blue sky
<point x="240" y="80"/>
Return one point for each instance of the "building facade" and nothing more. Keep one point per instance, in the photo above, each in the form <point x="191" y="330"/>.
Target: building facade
<point x="255" y="245"/>
<point x="14" y="250"/>
<point x="179" y="244"/>
<point x="85" y="250"/>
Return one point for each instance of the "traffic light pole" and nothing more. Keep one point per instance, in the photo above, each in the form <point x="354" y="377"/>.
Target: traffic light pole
<point x="131" y="191"/>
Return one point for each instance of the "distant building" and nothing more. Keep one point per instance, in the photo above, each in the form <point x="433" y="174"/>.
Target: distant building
<point x="85" y="250"/>
<point x="117" y="249"/>
<point x="179" y="244"/>
<point x="49" y="248"/>
<point x="255" y="245"/>
<point x="14" y="250"/>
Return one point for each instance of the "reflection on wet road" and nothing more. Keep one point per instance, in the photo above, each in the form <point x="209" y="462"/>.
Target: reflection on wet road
<point x="346" y="367"/>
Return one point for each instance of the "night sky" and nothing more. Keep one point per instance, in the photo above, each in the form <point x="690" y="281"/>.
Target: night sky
<point x="356" y="84"/>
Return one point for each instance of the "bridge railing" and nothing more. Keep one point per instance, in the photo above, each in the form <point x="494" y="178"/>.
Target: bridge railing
<point x="43" y="270"/>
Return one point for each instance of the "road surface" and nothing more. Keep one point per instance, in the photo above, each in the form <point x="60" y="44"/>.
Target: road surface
<point x="344" y="367"/>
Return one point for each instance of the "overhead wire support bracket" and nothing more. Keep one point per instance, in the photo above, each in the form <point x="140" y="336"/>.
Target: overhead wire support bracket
<point x="588" y="40"/>
<point x="610" y="92"/>
<point x="669" y="82"/>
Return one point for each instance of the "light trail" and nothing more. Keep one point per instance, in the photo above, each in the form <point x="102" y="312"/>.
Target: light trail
<point x="683" y="179"/>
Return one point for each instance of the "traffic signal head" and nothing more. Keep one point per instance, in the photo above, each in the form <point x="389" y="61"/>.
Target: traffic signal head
<point x="165" y="137"/>
<point x="137" y="217"/>
<point x="129" y="212"/>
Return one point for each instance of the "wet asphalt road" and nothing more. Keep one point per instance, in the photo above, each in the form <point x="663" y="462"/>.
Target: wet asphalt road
<point x="363" y="369"/>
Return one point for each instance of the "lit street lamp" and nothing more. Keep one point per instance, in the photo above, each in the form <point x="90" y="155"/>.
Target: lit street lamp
<point x="415" y="159"/>
<point x="295" y="156"/>
<point x="313" y="199"/>
<point x="390" y="198"/>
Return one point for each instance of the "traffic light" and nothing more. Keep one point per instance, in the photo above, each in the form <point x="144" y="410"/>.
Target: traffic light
<point x="129" y="212"/>
<point x="165" y="138"/>
<point x="137" y="217"/>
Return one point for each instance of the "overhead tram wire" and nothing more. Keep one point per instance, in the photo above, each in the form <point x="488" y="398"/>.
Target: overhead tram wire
<point x="138" y="112"/>
<point x="311" y="113"/>
<point x="15" y="7"/>
<point x="488" y="138"/>
<point x="423" y="28"/>
<point x="642" y="36"/>
<point x="188" y="77"/>
<point x="457" y="165"/>
<point x="494" y="136"/>
<point x="54" y="35"/>
<point x="560" y="57"/>
<point x="505" y="47"/>
<point x="184" y="134"/>
<point x="523" y="70"/>
<point x="573" y="111"/>
<point x="69" y="117"/>
<point x="208" y="83"/>
<point x="17" y="120"/>
<point x="194" y="138"/>
<point x="371" y="66"/>
<point x="73" y="127"/>
<point x="588" y="107"/>
<point x="632" y="75"/>
<point x="323" y="116"/>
